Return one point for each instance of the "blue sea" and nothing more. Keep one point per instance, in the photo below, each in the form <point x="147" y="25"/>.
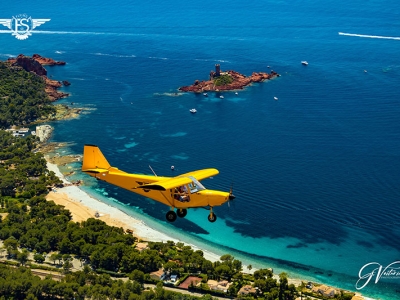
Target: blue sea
<point x="315" y="173"/>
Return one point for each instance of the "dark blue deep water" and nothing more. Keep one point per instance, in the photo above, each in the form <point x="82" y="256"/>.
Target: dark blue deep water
<point x="315" y="173"/>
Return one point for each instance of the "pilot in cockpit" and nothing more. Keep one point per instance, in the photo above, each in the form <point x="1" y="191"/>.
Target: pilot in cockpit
<point x="181" y="194"/>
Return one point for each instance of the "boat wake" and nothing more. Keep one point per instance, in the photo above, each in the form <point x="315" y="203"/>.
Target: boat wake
<point x="370" y="36"/>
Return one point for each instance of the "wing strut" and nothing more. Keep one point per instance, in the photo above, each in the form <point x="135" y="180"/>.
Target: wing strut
<point x="152" y="171"/>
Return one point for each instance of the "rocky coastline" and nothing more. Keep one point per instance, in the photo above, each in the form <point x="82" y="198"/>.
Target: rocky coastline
<point x="232" y="80"/>
<point x="35" y="65"/>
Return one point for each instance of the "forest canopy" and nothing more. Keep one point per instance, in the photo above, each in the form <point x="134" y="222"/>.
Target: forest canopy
<point x="22" y="97"/>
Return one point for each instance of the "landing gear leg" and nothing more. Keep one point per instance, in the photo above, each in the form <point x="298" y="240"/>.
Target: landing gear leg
<point x="212" y="217"/>
<point x="171" y="216"/>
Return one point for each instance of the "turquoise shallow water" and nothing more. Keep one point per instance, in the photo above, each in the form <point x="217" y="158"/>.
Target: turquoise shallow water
<point x="315" y="173"/>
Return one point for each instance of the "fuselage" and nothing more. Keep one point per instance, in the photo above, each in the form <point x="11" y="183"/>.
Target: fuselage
<point x="188" y="195"/>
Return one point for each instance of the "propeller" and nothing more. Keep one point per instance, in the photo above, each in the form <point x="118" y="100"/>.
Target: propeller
<point x="231" y="196"/>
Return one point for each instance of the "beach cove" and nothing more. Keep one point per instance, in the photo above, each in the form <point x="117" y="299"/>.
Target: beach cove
<point x="83" y="206"/>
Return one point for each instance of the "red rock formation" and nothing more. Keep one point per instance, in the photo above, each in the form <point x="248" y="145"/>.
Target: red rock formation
<point x="239" y="82"/>
<point x="51" y="89"/>
<point x="28" y="64"/>
<point x="47" y="61"/>
<point x="34" y="64"/>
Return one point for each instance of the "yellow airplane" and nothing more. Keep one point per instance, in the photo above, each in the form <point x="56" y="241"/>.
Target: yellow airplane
<point x="180" y="192"/>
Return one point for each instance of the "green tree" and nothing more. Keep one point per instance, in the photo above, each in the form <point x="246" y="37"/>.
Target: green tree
<point x="39" y="258"/>
<point x="22" y="257"/>
<point x="11" y="245"/>
<point x="54" y="257"/>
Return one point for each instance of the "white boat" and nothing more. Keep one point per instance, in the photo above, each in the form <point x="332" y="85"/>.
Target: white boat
<point x="222" y="97"/>
<point x="304" y="63"/>
<point x="275" y="98"/>
<point x="205" y="94"/>
<point x="236" y="93"/>
<point x="193" y="110"/>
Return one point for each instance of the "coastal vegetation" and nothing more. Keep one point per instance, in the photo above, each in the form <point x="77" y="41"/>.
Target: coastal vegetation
<point x="224" y="79"/>
<point x="22" y="97"/>
<point x="23" y="173"/>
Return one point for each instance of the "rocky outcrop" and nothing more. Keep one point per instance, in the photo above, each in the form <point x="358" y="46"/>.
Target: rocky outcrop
<point x="35" y="64"/>
<point x="43" y="132"/>
<point x="51" y="89"/>
<point x="239" y="81"/>
<point x="28" y="64"/>
<point x="44" y="61"/>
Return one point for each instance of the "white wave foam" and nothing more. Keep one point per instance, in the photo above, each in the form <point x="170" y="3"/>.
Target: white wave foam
<point x="7" y="55"/>
<point x="154" y="57"/>
<point x="176" y="94"/>
<point x="370" y="36"/>
<point x="113" y="55"/>
<point x="217" y="60"/>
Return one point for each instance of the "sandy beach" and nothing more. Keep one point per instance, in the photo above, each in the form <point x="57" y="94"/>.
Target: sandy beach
<point x="82" y="206"/>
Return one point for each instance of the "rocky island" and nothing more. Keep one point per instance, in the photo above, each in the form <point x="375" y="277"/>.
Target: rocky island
<point x="227" y="81"/>
<point x="35" y="64"/>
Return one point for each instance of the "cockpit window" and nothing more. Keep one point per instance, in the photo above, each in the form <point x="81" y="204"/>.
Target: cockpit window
<point x="195" y="185"/>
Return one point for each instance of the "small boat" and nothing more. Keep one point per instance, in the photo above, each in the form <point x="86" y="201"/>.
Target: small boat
<point x="205" y="94"/>
<point x="222" y="97"/>
<point x="193" y="110"/>
<point x="236" y="93"/>
<point x="365" y="71"/>
<point x="172" y="167"/>
<point x="305" y="63"/>
<point x="275" y="98"/>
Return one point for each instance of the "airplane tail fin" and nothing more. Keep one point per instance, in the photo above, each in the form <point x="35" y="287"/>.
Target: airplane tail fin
<point x="94" y="160"/>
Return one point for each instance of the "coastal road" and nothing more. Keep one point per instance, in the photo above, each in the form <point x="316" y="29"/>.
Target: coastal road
<point x="185" y="292"/>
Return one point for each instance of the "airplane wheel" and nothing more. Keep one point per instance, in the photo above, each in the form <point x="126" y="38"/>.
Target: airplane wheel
<point x="181" y="212"/>
<point x="212" y="217"/>
<point x="171" y="216"/>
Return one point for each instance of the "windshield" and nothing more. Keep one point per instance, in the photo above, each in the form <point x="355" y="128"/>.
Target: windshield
<point x="195" y="185"/>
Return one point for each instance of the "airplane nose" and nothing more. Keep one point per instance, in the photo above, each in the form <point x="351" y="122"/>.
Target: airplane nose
<point x="231" y="197"/>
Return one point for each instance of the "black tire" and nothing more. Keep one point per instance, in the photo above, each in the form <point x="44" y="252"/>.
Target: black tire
<point x="212" y="217"/>
<point x="181" y="212"/>
<point x="171" y="216"/>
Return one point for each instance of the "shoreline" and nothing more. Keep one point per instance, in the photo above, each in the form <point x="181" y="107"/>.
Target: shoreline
<point x="83" y="206"/>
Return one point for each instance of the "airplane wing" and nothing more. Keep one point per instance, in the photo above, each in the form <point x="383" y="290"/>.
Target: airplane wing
<point x="180" y="180"/>
<point x="201" y="174"/>
<point x="167" y="184"/>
